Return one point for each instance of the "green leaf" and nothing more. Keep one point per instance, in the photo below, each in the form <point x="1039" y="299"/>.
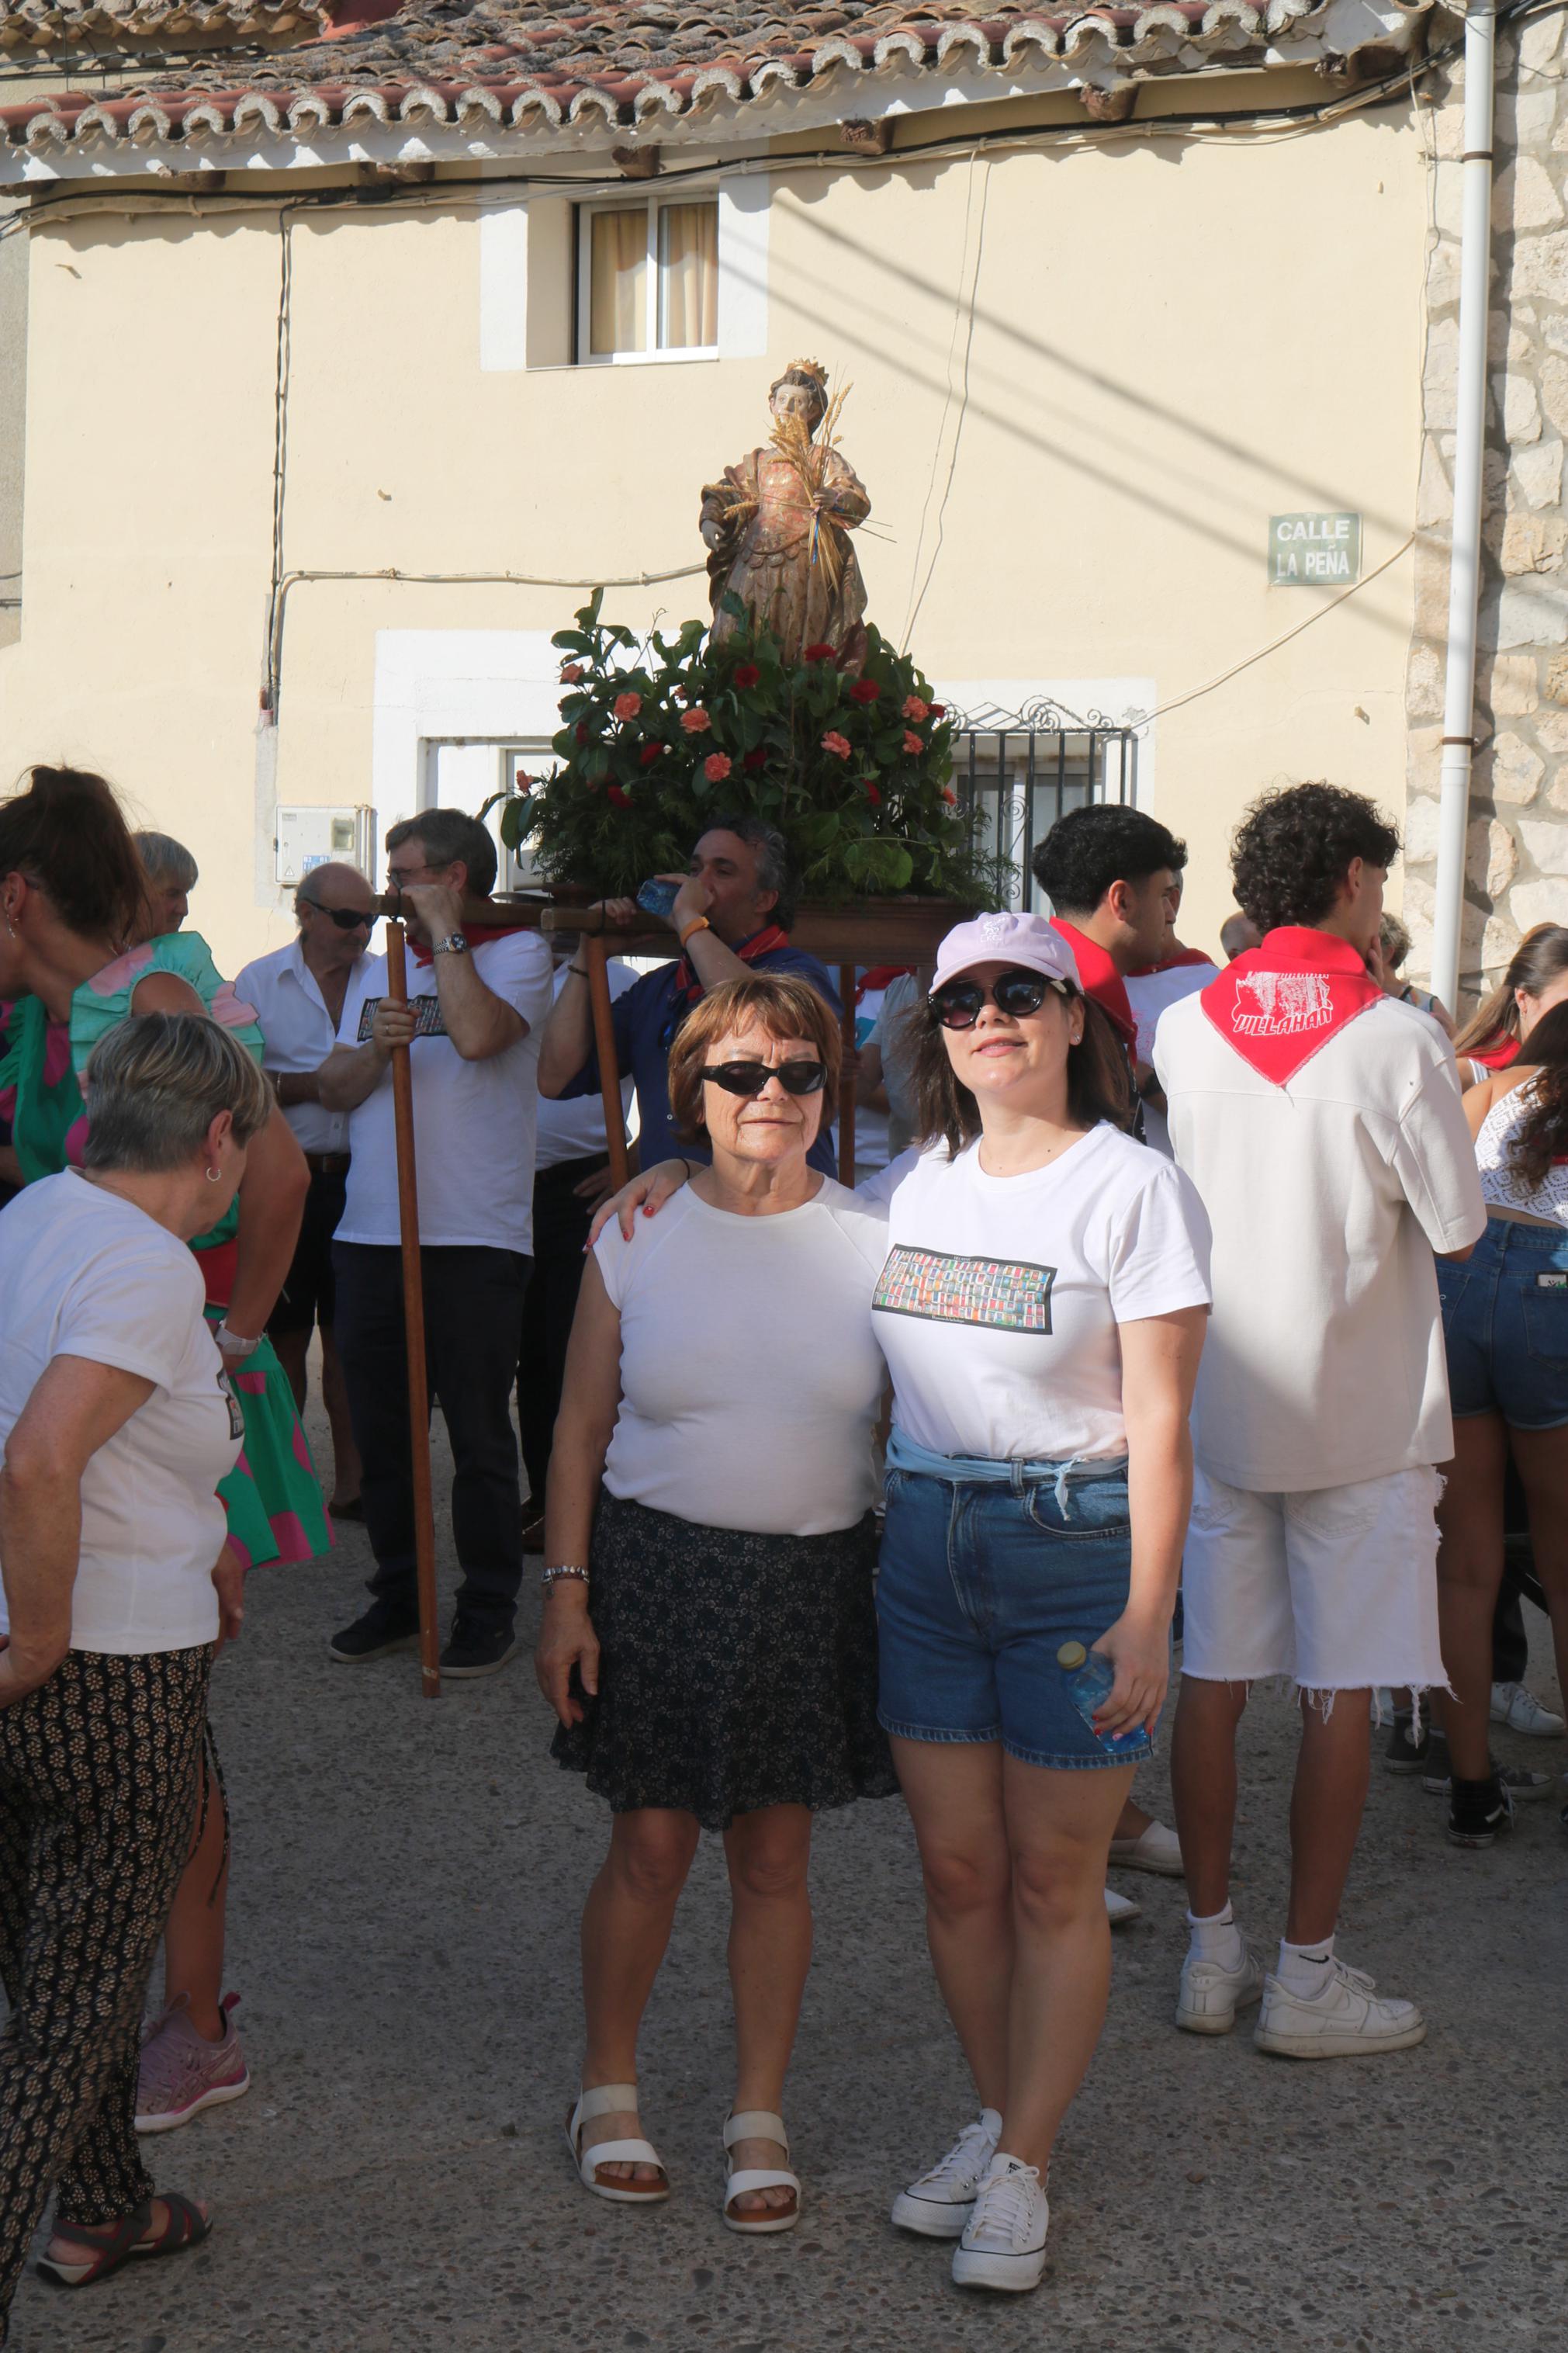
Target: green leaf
<point x="730" y="603"/>
<point x="590" y="613"/>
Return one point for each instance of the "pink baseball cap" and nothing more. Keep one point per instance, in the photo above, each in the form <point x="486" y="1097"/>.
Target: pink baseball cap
<point x="1026" y="940"/>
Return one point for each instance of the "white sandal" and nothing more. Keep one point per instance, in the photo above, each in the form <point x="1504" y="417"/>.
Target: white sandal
<point x="758" y="2124"/>
<point x="604" y="2100"/>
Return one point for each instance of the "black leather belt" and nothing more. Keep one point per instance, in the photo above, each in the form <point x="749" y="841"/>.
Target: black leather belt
<point x="327" y="1164"/>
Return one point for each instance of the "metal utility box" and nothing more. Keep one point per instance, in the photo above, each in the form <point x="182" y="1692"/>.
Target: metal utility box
<point x="308" y="837"/>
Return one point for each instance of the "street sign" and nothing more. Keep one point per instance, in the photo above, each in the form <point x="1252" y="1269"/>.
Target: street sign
<point x="1313" y="551"/>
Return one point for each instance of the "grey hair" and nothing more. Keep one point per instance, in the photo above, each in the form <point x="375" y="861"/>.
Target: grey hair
<point x="154" y="1086"/>
<point x="449" y="834"/>
<point x="773" y="872"/>
<point x="167" y="860"/>
<point x="1394" y="940"/>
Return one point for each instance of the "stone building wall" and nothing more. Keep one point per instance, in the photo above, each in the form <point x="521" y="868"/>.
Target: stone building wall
<point x="1517" y="867"/>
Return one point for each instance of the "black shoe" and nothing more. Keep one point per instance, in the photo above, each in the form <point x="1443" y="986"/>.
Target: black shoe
<point x="385" y="1627"/>
<point x="477" y="1647"/>
<point x="1428" y="1754"/>
<point x="1519" y="1783"/>
<point x="1478" y="1811"/>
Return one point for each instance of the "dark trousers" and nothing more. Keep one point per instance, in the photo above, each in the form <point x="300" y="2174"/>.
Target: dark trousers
<point x="98" y="1793"/>
<point x="561" y="1225"/>
<point x="473" y="1318"/>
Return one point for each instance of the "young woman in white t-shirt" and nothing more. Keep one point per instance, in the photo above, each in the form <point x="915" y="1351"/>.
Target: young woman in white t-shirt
<point x="117" y="1423"/>
<point x="1041" y="1309"/>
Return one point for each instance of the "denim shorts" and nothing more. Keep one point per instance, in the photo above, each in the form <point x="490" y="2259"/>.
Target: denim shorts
<point x="1505" y="1320"/>
<point x="980" y="1583"/>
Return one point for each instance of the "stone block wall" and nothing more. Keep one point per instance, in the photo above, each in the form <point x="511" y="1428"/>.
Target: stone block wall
<point x="1516" y="868"/>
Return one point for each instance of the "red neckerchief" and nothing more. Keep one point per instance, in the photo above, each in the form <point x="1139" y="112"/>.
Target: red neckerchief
<point x="878" y="976"/>
<point x="1279" y="1003"/>
<point x="1172" y="963"/>
<point x="761" y="943"/>
<point x="1496" y="1058"/>
<point x="478" y="935"/>
<point x="1101" y="981"/>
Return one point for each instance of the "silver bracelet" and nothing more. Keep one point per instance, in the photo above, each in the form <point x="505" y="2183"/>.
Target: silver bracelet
<point x="234" y="1343"/>
<point x="548" y="1577"/>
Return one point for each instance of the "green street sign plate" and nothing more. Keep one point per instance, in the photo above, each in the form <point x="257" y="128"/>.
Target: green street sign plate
<point x="1314" y="551"/>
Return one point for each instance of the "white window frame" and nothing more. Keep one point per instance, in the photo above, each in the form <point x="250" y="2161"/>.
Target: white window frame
<point x="653" y="204"/>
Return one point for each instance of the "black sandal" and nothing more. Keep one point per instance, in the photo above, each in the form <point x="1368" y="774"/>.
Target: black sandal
<point x="187" y="2226"/>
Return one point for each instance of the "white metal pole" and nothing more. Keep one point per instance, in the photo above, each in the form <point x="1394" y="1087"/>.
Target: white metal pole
<point x="1469" y="441"/>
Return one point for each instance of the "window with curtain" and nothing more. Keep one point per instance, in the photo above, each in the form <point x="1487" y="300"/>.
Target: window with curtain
<point x="649" y="279"/>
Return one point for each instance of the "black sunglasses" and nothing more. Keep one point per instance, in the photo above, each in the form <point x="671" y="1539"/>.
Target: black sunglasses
<point x="957" y="1003"/>
<point x="347" y="919"/>
<point x="796" y="1078"/>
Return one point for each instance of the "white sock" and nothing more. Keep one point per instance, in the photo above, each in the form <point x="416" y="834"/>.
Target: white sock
<point x="1304" y="1968"/>
<point x="1217" y="1938"/>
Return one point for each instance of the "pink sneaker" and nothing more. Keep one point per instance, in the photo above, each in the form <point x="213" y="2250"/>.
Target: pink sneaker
<point x="182" y="2072"/>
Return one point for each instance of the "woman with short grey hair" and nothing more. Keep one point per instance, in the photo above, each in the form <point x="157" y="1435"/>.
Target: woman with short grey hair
<point x="171" y="875"/>
<point x="117" y="1588"/>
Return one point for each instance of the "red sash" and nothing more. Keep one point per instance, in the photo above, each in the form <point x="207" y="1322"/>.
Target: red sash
<point x="1101" y="981"/>
<point x="1495" y="1057"/>
<point x="760" y="944"/>
<point x="1172" y="963"/>
<point x="476" y="935"/>
<point x="1279" y="1003"/>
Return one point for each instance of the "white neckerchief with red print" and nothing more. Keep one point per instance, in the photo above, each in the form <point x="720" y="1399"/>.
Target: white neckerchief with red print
<point x="1278" y="1003"/>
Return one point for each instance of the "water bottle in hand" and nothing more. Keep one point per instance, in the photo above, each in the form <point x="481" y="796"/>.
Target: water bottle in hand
<point x="1089" y="1677"/>
<point x="658" y="898"/>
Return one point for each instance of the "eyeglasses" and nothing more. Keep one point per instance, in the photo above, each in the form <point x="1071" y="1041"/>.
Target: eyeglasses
<point x="957" y="1004"/>
<point x="796" y="1078"/>
<point x="398" y="875"/>
<point x="347" y="919"/>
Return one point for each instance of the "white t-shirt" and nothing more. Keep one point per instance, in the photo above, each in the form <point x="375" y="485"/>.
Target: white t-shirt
<point x="298" y="1034"/>
<point x="998" y="1306"/>
<point x="1149" y="993"/>
<point x="1328" y="1196"/>
<point x="750" y="1376"/>
<point x="84" y="1273"/>
<point x="575" y="1130"/>
<point x="473" y="1122"/>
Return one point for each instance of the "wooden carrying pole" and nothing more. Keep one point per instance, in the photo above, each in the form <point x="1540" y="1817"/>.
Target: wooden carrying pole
<point x="605" y="1048"/>
<point x="848" y="1027"/>
<point x="414" y="1326"/>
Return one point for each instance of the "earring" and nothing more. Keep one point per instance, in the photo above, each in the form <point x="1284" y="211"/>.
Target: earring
<point x="212" y="1176"/>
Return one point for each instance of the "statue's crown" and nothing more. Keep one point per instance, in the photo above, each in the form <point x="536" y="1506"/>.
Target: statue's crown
<point x="809" y="367"/>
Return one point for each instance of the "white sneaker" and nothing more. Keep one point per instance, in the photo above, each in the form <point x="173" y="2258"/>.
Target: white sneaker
<point x="940" y="2203"/>
<point x="1346" y="2020"/>
<point x="1156" y="1848"/>
<point x="1522" y="1711"/>
<point x="1211" y="1994"/>
<point x="1003" y="2241"/>
<point x="1120" y="1909"/>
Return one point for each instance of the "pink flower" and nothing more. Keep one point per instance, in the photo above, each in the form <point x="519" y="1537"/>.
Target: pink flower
<point x="716" y="767"/>
<point x="837" y="744"/>
<point x="915" y="709"/>
<point x="913" y="744"/>
<point x="950" y="796"/>
<point x="627" y="706"/>
<point x="696" y="722"/>
<point x="571" y="674"/>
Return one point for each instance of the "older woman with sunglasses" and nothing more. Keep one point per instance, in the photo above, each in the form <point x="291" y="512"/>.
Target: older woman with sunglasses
<point x="1041" y="1309"/>
<point x="709" y="1640"/>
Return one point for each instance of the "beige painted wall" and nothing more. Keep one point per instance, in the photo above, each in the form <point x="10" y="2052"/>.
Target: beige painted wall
<point x="1170" y="342"/>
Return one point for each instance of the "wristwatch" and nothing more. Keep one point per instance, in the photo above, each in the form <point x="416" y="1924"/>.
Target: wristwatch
<point x="455" y="944"/>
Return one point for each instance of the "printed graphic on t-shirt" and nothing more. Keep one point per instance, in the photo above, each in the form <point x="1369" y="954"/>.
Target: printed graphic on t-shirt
<point x="1005" y="1294"/>
<point x="427" y="1012"/>
<point x="235" y="1413"/>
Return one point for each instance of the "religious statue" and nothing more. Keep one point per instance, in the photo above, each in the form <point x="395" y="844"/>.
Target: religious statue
<point x="777" y="527"/>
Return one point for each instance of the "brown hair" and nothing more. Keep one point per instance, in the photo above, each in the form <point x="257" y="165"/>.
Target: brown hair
<point x="1541" y="957"/>
<point x="1542" y="1136"/>
<point x="784" y="1008"/>
<point x="1099" y="1084"/>
<point x="66" y="835"/>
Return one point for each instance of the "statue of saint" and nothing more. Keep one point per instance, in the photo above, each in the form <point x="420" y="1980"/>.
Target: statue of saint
<point x="777" y="526"/>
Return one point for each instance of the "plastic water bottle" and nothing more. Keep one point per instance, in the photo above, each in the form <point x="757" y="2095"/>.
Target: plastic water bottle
<point x="657" y="898"/>
<point x="1091" y="1676"/>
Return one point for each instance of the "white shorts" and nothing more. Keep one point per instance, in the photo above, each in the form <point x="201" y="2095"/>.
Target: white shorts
<point x="1336" y="1586"/>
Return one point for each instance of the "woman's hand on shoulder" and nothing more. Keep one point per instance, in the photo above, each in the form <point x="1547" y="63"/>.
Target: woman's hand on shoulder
<point x="1139" y="1648"/>
<point x="648" y="1193"/>
<point x="567" y="1640"/>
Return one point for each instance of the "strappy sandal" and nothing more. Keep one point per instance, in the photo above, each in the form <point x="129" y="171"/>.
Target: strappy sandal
<point x="758" y="2124"/>
<point x="187" y="2226"/>
<point x="604" y="2100"/>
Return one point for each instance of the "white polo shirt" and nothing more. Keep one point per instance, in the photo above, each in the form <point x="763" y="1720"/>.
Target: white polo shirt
<point x="299" y="1034"/>
<point x="1328" y="1196"/>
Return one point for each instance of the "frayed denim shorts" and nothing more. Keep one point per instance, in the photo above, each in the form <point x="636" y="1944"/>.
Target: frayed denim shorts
<point x="1505" y="1323"/>
<point x="982" y="1581"/>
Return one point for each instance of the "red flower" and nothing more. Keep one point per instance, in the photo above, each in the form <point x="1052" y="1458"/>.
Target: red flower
<point x="915" y="709"/>
<point x="913" y="744"/>
<point x="754" y="762"/>
<point x="872" y="794"/>
<point x="864" y="690"/>
<point x="696" y="722"/>
<point x="627" y="706"/>
<point x="939" y="710"/>
<point x="648" y="755"/>
<point x="581" y="731"/>
<point x="747" y="673"/>
<point x="820" y="653"/>
<point x="950" y="796"/>
<point x="571" y="674"/>
<point x="716" y="767"/>
<point x="617" y="799"/>
<point x="837" y="744"/>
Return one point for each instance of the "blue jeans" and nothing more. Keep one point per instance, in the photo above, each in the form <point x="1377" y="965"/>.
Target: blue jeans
<point x="1505" y="1321"/>
<point x="982" y="1581"/>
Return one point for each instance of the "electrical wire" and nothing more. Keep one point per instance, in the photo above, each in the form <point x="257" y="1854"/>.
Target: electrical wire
<point x="918" y="598"/>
